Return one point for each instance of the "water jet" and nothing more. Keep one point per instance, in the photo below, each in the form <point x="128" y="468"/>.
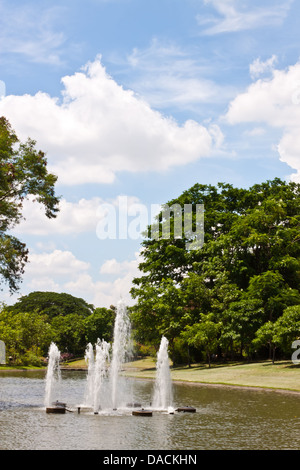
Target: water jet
<point x="52" y="379"/>
<point x="163" y="391"/>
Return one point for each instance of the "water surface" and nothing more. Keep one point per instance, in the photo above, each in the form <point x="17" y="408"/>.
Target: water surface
<point x="226" y="418"/>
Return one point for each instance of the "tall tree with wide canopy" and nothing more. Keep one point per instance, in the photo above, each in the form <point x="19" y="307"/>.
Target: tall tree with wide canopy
<point x="23" y="173"/>
<point x="250" y="258"/>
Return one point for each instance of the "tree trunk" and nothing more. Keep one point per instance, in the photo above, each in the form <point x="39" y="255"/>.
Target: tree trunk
<point x="208" y="358"/>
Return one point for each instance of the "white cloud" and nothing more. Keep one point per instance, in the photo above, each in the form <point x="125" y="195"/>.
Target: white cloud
<point x="259" y="67"/>
<point x="62" y="271"/>
<point x="100" y="129"/>
<point x="79" y="217"/>
<point x="276" y="103"/>
<point x="112" y="266"/>
<point x="73" y="218"/>
<point x="76" y="279"/>
<point x="56" y="265"/>
<point x="117" y="284"/>
<point x="234" y="15"/>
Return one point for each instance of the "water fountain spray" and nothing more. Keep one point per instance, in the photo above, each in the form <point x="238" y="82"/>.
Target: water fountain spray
<point x="102" y="358"/>
<point x="53" y="373"/>
<point x="121" y="349"/>
<point x="163" y="391"/>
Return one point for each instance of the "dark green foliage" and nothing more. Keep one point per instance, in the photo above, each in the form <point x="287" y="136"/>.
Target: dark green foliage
<point x="53" y="304"/>
<point x="42" y="317"/>
<point x="246" y="274"/>
<point x="23" y="174"/>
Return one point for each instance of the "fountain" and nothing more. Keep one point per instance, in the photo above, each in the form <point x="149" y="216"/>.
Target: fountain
<point x="121" y="350"/>
<point x="102" y="357"/>
<point x="52" y="379"/>
<point x="108" y="393"/>
<point x="163" y="391"/>
<point x="90" y="361"/>
<point x="104" y="387"/>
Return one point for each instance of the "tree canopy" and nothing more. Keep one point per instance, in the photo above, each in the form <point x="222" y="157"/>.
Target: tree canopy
<point x="31" y="324"/>
<point x="52" y="304"/>
<point x="246" y="274"/>
<point x="23" y="174"/>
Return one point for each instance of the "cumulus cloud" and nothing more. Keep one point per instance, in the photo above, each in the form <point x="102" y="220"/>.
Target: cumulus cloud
<point x="62" y="271"/>
<point x="99" y="129"/>
<point x="274" y="102"/>
<point x="85" y="215"/>
<point x="57" y="264"/>
<point x="73" y="218"/>
<point x="112" y="266"/>
<point x="117" y="275"/>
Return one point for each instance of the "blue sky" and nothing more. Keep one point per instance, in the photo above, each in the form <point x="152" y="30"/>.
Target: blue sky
<point x="141" y="100"/>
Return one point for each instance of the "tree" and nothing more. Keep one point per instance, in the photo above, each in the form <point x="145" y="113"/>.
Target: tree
<point x="268" y="335"/>
<point x="64" y="315"/>
<point x="274" y="293"/>
<point x="288" y="327"/>
<point x="69" y="333"/>
<point x="53" y="304"/>
<point x="240" y="321"/>
<point x="23" y="174"/>
<point x="25" y="333"/>
<point x="203" y="335"/>
<point x="246" y="273"/>
<point x="159" y="313"/>
<point x="100" y="325"/>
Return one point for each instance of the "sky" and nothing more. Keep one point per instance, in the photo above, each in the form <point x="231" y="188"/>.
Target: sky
<point x="134" y="102"/>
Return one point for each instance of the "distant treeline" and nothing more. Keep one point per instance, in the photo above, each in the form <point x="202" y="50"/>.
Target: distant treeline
<point x="29" y="326"/>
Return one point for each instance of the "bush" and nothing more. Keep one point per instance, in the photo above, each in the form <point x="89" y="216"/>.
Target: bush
<point x="32" y="357"/>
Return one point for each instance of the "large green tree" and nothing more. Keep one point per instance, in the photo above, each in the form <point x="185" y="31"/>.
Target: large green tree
<point x="53" y="304"/>
<point x="246" y="273"/>
<point x="23" y="173"/>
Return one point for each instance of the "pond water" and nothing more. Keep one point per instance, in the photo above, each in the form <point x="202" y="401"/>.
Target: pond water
<point x="225" y="418"/>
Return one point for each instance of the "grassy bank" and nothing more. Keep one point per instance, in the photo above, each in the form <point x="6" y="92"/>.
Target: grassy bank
<point x="281" y="375"/>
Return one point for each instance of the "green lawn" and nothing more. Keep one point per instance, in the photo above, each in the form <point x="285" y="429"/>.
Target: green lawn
<point x="281" y="375"/>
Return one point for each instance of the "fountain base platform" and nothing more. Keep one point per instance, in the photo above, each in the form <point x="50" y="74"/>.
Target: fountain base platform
<point x="56" y="407"/>
<point x="142" y="412"/>
<point x="186" y="409"/>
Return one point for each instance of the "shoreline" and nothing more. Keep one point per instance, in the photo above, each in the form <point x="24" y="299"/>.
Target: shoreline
<point x="243" y="387"/>
<point x="281" y="377"/>
<point x="220" y="385"/>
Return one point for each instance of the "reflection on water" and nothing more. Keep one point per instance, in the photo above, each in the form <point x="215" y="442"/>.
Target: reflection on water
<point x="226" y="418"/>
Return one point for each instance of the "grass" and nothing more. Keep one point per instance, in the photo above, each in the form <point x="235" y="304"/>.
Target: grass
<point x="283" y="375"/>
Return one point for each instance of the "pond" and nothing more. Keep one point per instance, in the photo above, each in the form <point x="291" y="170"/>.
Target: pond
<point x="225" y="418"/>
